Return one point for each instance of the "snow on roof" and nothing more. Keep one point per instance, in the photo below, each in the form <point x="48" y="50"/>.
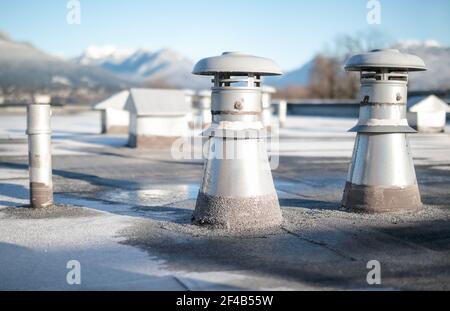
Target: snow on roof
<point x="158" y="102"/>
<point x="427" y="104"/>
<point x="116" y="101"/>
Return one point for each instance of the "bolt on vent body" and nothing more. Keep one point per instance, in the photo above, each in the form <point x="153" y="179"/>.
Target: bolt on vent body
<point x="381" y="176"/>
<point x="237" y="190"/>
<point x="39" y="152"/>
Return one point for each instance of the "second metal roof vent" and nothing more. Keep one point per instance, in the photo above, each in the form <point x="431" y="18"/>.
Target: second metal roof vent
<point x="237" y="190"/>
<point x="381" y="177"/>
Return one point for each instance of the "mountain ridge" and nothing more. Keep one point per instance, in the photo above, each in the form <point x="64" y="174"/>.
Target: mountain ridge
<point x="163" y="66"/>
<point x="435" y="55"/>
<point x="18" y="60"/>
<point x="112" y="68"/>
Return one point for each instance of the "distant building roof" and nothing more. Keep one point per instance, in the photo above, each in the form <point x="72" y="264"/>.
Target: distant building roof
<point x="427" y="104"/>
<point x="117" y="101"/>
<point x="42" y="99"/>
<point x="158" y="102"/>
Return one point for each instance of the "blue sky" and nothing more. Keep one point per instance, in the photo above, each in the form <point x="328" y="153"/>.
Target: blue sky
<point x="289" y="31"/>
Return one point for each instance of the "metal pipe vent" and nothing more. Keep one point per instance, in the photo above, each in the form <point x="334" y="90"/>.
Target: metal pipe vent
<point x="237" y="190"/>
<point x="381" y="176"/>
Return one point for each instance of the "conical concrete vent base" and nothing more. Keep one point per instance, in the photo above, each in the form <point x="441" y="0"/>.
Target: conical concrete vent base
<point x="237" y="193"/>
<point x="377" y="199"/>
<point x="237" y="213"/>
<point x="382" y="176"/>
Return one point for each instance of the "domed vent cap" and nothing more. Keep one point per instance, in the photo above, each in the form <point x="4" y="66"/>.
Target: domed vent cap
<point x="237" y="63"/>
<point x="385" y="58"/>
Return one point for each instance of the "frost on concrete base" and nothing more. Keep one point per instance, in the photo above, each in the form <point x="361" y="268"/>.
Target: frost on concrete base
<point x="377" y="199"/>
<point x="237" y="213"/>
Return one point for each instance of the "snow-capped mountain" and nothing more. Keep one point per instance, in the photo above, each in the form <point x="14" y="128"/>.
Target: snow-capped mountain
<point x="163" y="67"/>
<point x="436" y="57"/>
<point x="115" y="68"/>
<point x="437" y="60"/>
<point x="23" y="66"/>
<point x="96" y="56"/>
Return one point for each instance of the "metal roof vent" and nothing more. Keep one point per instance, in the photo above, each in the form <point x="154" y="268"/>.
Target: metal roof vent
<point x="40" y="152"/>
<point x="381" y="177"/>
<point x="237" y="190"/>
